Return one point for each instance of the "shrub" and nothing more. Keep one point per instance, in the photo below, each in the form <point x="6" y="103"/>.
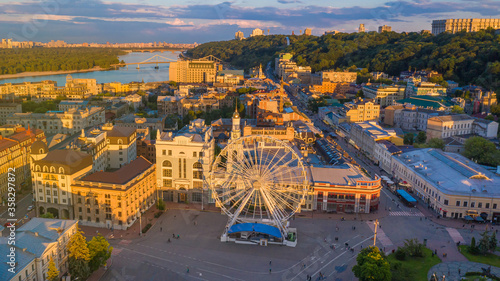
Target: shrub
<point x="400" y="254"/>
<point x="158" y="214"/>
<point x="146" y="228"/>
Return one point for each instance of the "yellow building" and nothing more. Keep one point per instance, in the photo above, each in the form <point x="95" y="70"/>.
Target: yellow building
<point x="360" y="111"/>
<point x="115" y="199"/>
<point x="7" y="109"/>
<point x="193" y="71"/>
<point x="278" y="132"/>
<point x="468" y="25"/>
<point x="30" y="89"/>
<point x="384" y="28"/>
<point x="331" y="87"/>
<point x="339" y="76"/>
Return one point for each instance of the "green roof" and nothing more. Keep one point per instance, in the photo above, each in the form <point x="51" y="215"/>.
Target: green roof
<point x="428" y="101"/>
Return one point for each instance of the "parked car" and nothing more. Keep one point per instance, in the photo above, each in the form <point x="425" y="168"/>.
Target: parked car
<point x="30" y="208"/>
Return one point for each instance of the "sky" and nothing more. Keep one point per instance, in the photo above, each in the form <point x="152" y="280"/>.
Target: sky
<point x="77" y="21"/>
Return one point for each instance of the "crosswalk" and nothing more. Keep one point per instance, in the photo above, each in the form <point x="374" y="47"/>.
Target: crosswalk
<point x="406" y="214"/>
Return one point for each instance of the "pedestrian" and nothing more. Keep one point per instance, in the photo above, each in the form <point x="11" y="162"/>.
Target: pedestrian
<point x="269" y="270"/>
<point x="187" y="269"/>
<point x="161" y="229"/>
<point x="270" y="262"/>
<point x="435" y="251"/>
<point x="173" y="235"/>
<point x="459" y="273"/>
<point x="178" y="236"/>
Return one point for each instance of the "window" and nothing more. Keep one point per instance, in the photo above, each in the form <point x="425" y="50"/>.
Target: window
<point x="64" y="193"/>
<point x="88" y="210"/>
<point x="119" y="214"/>
<point x="472" y="204"/>
<point x="197" y="165"/>
<point x="164" y="152"/>
<point x="167" y="183"/>
<point x="80" y="209"/>
<point x="55" y="192"/>
<point x="494" y="206"/>
<point x="121" y="159"/>
<point x="167" y="163"/>
<point x="170" y="153"/>
<point x="445" y="201"/>
<point x="487" y="205"/>
<point x="457" y="204"/>
<point x="97" y="211"/>
<point x="194" y="154"/>
<point x="479" y="205"/>
<point x="465" y="204"/>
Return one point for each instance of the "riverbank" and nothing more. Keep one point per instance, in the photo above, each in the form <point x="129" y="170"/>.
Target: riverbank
<point x="44" y="73"/>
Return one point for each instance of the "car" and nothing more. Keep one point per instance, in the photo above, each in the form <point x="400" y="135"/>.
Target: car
<point x="30" y="208"/>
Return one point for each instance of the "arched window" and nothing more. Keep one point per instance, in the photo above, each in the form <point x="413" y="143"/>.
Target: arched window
<point x="197" y="165"/>
<point x="37" y="168"/>
<point x="197" y="173"/>
<point x="52" y="169"/>
<point x="45" y="169"/>
<point x="167" y="163"/>
<point x="61" y="170"/>
<point x="120" y="141"/>
<point x="54" y="185"/>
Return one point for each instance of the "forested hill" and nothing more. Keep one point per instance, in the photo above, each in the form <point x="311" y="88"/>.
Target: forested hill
<point x="463" y="57"/>
<point x="53" y="59"/>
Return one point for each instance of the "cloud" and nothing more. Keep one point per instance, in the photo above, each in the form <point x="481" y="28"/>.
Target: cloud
<point x="98" y="19"/>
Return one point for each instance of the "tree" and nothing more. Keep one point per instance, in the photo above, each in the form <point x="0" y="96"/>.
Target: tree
<point x="47" y="216"/>
<point x="484" y="243"/>
<point x="79" y="256"/>
<point x="408" y="138"/>
<point x="100" y="251"/>
<point x="482" y="150"/>
<point x="457" y="109"/>
<point x="161" y="204"/>
<point x="360" y="94"/>
<point x="436" y="143"/>
<point x="52" y="273"/>
<point x="421" y="137"/>
<point x="473" y="249"/>
<point x="414" y="248"/>
<point x="372" y="265"/>
<point x="493" y="242"/>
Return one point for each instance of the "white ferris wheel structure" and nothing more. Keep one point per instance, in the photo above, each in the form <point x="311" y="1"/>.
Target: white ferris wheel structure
<point x="258" y="179"/>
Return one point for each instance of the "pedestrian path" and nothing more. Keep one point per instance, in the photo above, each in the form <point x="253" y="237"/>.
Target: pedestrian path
<point x="406" y="214"/>
<point x="381" y="236"/>
<point x="455" y="235"/>
<point x="455" y="270"/>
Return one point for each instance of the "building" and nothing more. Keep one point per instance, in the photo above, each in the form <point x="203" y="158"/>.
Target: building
<point x="122" y="145"/>
<point x="239" y="35"/>
<point x="384" y="150"/>
<point x="115" y="199"/>
<point x="38" y="241"/>
<point x="307" y="31"/>
<point x="183" y="160"/>
<point x="193" y="71"/>
<point x="15" y="151"/>
<point x="485" y="128"/>
<point x="361" y="27"/>
<point x="331" y="32"/>
<point x="147" y="149"/>
<point x="6" y="109"/>
<point x="52" y="175"/>
<point x="418" y="88"/>
<point x="257" y="32"/>
<point x="449" y="183"/>
<point x="66" y="105"/>
<point x="89" y="85"/>
<point x="437" y="103"/>
<point x="68" y="122"/>
<point x="359" y="110"/>
<point x="256" y="72"/>
<point x="26" y="89"/>
<point x="384" y="28"/>
<point x="366" y="134"/>
<point x="339" y="76"/>
<point x="141" y="123"/>
<point x="409" y="117"/>
<point x="467" y="25"/>
<point x="344" y="188"/>
<point x="449" y="125"/>
<point x="384" y="95"/>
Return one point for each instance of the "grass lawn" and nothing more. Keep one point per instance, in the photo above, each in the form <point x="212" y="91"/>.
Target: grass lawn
<point x="490" y="259"/>
<point x="417" y="267"/>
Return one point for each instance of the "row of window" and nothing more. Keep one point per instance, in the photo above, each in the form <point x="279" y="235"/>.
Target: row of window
<point x="458" y="203"/>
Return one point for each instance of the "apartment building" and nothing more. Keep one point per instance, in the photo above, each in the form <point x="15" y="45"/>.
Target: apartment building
<point x="180" y="106"/>
<point x="37" y="242"/>
<point x="193" y="71"/>
<point x="467" y="25"/>
<point x="6" y="109"/>
<point x="360" y="110"/>
<point x="122" y="145"/>
<point x="15" y="153"/>
<point x="183" y="161"/>
<point x="67" y="122"/>
<point x="419" y="88"/>
<point x="366" y="134"/>
<point x="384" y="28"/>
<point x="449" y="183"/>
<point x="449" y="125"/>
<point x="52" y="175"/>
<point x="384" y="95"/>
<point x="115" y="199"/>
<point x="339" y="76"/>
<point x="66" y="105"/>
<point x="26" y="89"/>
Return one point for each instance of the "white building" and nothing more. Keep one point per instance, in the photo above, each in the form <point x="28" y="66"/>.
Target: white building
<point x="122" y="145"/>
<point x="183" y="160"/>
<point x="449" y="183"/>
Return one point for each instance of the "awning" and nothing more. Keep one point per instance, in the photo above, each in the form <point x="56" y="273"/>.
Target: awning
<point x="479" y="218"/>
<point x="256" y="227"/>
<point x="406" y="196"/>
<point x="468" y="218"/>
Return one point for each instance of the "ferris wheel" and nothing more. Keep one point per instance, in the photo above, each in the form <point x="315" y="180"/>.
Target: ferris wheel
<point x="258" y="179"/>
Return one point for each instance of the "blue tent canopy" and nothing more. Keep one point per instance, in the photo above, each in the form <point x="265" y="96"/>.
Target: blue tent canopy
<point x="406" y="196"/>
<point x="256" y="227"/>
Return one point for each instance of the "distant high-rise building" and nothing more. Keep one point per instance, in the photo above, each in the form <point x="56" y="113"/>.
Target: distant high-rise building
<point x="384" y="28"/>
<point x="307" y="31"/>
<point x="332" y="32"/>
<point x="257" y="32"/>
<point x="468" y="25"/>
<point x="239" y="35"/>
<point x="361" y="27"/>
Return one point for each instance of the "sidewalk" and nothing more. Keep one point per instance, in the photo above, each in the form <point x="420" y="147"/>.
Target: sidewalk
<point x="450" y="269"/>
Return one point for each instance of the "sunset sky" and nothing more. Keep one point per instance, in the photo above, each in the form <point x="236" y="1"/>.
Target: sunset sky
<point x="202" y="21"/>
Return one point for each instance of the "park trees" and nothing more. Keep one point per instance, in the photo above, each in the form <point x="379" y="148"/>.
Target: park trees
<point x="79" y="256"/>
<point x="100" y="252"/>
<point x="52" y="273"/>
<point x="372" y="265"/>
<point x="408" y="138"/>
<point x="421" y="137"/>
<point x="482" y="150"/>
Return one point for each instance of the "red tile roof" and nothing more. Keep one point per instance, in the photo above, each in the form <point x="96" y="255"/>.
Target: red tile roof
<point x="122" y="175"/>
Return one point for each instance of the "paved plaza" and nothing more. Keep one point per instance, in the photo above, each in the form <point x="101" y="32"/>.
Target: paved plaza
<point x="457" y="270"/>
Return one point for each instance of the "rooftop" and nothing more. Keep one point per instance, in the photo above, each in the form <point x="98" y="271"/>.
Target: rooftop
<point x="122" y="175"/>
<point x="345" y="174"/>
<point x="74" y="160"/>
<point x="448" y="118"/>
<point x="452" y="173"/>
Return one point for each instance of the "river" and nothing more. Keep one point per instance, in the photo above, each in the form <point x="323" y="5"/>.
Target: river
<point x="147" y="72"/>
